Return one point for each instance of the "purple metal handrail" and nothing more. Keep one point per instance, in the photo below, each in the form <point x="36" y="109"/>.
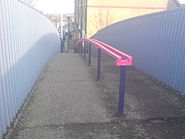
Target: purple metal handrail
<point x="121" y="58"/>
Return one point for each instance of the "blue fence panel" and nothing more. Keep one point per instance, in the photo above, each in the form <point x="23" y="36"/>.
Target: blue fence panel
<point x="156" y="42"/>
<point x="28" y="40"/>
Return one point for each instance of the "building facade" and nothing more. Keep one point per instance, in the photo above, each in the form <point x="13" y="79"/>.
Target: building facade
<point x="93" y="15"/>
<point x="80" y="18"/>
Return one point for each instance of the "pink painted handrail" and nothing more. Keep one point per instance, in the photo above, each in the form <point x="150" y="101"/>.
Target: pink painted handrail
<point x="121" y="58"/>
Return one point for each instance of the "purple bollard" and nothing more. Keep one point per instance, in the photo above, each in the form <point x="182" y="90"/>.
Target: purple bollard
<point x="89" y="54"/>
<point x="121" y="91"/>
<point x="99" y="64"/>
<point x="84" y="50"/>
<point x="81" y="49"/>
<point x="78" y="48"/>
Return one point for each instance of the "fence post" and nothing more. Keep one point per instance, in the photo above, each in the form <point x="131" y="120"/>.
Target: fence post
<point x="99" y="64"/>
<point x="89" y="54"/>
<point x="121" y="91"/>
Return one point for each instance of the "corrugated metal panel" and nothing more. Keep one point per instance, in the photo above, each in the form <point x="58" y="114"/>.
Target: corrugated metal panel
<point x="156" y="42"/>
<point x="27" y="41"/>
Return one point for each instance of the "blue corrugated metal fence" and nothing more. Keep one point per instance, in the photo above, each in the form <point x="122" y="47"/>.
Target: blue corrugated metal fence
<point x="27" y="41"/>
<point x="156" y="42"/>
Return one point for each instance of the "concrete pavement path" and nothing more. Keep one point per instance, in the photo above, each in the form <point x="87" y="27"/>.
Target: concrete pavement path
<point x="65" y="94"/>
<point x="68" y="103"/>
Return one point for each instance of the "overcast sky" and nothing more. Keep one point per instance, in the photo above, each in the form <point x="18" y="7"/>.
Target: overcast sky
<point x="55" y="6"/>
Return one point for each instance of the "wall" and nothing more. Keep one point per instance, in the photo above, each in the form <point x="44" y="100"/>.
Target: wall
<point x="28" y="40"/>
<point x="101" y="13"/>
<point x="156" y="42"/>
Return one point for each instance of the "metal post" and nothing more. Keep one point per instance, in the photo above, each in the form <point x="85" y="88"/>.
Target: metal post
<point x="78" y="50"/>
<point x="89" y="54"/>
<point x="99" y="64"/>
<point x="81" y="48"/>
<point x="84" y="50"/>
<point x="87" y="48"/>
<point x="61" y="41"/>
<point x="121" y="91"/>
<point x="75" y="49"/>
<point x="68" y="27"/>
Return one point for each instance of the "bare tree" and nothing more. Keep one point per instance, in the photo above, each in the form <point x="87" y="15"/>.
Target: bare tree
<point x="102" y="18"/>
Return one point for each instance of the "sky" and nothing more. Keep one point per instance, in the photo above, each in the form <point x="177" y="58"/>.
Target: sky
<point x="55" y="6"/>
<point x="182" y="1"/>
<point x="60" y="6"/>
